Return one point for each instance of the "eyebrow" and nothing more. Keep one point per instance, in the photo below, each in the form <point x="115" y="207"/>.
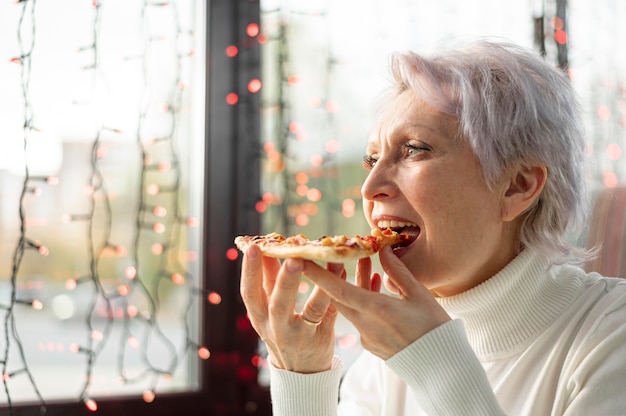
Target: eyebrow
<point x="372" y="144"/>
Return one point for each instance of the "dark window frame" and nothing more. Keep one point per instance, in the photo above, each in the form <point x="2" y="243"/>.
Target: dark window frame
<point x="228" y="379"/>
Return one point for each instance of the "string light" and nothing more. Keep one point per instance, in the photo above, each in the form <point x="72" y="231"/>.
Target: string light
<point x="161" y="197"/>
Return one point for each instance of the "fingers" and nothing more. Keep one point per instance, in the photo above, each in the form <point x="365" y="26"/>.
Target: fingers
<point x="338" y="290"/>
<point x="364" y="276"/>
<point x="363" y="271"/>
<point x="251" y="288"/>
<point x="318" y="303"/>
<point x="283" y="298"/>
<point x="398" y="278"/>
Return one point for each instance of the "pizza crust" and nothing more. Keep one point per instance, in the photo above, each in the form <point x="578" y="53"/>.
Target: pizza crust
<point x="337" y="249"/>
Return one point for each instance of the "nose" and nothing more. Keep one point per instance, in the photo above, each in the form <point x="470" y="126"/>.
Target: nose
<point x="378" y="184"/>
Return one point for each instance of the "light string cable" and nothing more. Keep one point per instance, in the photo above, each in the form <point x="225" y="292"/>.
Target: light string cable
<point x="11" y="335"/>
<point x="281" y="155"/>
<point x="135" y="279"/>
<point x="96" y="338"/>
<point x="290" y="129"/>
<point x="159" y="211"/>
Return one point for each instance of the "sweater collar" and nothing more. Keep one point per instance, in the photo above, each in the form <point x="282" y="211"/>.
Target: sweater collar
<point x="506" y="312"/>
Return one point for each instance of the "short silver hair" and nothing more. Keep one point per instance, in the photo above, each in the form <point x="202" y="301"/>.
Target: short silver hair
<point x="514" y="109"/>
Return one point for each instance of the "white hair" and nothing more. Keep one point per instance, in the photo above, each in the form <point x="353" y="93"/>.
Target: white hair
<point x="514" y="109"/>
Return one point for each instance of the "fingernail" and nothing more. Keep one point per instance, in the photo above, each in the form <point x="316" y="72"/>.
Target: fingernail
<point x="293" y="265"/>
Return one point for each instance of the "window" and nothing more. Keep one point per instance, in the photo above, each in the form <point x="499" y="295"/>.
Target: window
<point x="325" y="64"/>
<point x="124" y="166"/>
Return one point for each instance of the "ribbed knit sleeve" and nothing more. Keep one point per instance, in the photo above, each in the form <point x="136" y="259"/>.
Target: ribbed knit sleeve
<point x="444" y="374"/>
<point x="296" y="394"/>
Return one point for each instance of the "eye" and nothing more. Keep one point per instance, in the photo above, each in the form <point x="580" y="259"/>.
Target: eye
<point x="369" y="161"/>
<point x="411" y="151"/>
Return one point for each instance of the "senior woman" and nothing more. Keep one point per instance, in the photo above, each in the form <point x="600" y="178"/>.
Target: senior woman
<point x="478" y="156"/>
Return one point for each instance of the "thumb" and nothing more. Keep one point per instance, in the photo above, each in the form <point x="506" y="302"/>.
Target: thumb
<point x="398" y="278"/>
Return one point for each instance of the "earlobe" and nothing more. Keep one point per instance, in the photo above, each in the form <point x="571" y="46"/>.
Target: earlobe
<point x="524" y="187"/>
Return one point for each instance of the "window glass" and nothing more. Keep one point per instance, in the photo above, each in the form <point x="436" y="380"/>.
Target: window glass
<point x="325" y="64"/>
<point x="102" y="126"/>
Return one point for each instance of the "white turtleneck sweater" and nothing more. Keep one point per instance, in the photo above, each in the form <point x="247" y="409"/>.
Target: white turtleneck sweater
<point x="532" y="340"/>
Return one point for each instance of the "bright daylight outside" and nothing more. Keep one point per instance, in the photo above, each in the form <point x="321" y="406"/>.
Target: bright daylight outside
<point x="101" y="119"/>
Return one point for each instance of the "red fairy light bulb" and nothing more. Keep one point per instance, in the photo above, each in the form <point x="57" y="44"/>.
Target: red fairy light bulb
<point x="557" y="23"/>
<point x="232" y="98"/>
<point x="43" y="250"/>
<point x="254" y="85"/>
<point x="123" y="290"/>
<point x="260" y="207"/>
<point x="160" y="211"/>
<point x="97" y="335"/>
<point x="316" y="160"/>
<point x="293" y="79"/>
<point x="614" y="151"/>
<point x="302" y="190"/>
<point x="37" y="304"/>
<point x="131" y="272"/>
<point x="262" y="38"/>
<point x="178" y="278"/>
<point x="159" y="228"/>
<point x="268" y="197"/>
<point x="102" y="152"/>
<point x="153" y="189"/>
<point x="91" y="405"/>
<point x="15" y="60"/>
<point x="232" y="254"/>
<point x="314" y="195"/>
<point x="70" y="284"/>
<point x="74" y="347"/>
<point x="232" y="51"/>
<point x="332" y="146"/>
<point x="164" y="166"/>
<point x="302" y="220"/>
<point x="610" y="179"/>
<point x="302" y="178"/>
<point x="183" y="85"/>
<point x="295" y="127"/>
<point x="148" y="396"/>
<point x="252" y="30"/>
<point x="132" y="311"/>
<point x="204" y="353"/>
<point x="121" y="251"/>
<point x="214" y="298"/>
<point x="604" y="113"/>
<point x="560" y="36"/>
<point x="157" y="248"/>
<point x="133" y="342"/>
<point x="193" y="222"/>
<point x="347" y="208"/>
<point x="332" y="106"/>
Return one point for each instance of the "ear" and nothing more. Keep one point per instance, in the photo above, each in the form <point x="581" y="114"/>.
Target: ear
<point x="523" y="189"/>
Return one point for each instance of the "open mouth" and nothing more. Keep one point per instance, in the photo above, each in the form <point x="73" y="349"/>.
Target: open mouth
<point x="401" y="227"/>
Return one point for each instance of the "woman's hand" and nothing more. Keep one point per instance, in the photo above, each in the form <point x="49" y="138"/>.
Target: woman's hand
<point x="387" y="324"/>
<point x="302" y="342"/>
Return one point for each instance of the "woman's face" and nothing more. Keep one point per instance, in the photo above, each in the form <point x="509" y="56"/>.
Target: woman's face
<point x="429" y="184"/>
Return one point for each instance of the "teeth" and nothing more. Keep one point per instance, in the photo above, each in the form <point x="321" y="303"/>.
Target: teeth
<point x="394" y="224"/>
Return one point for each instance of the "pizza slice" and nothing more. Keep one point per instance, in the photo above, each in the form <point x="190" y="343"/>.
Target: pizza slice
<point x="337" y="249"/>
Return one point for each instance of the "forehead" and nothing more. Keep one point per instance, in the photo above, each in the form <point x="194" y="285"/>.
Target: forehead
<point x="407" y="115"/>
